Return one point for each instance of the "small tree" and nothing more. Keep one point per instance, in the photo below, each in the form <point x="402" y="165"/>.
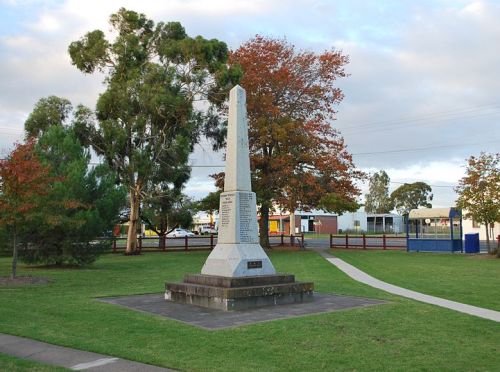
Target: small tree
<point x="164" y="211"/>
<point x="24" y="181"/>
<point x="479" y="191"/>
<point x="377" y="200"/>
<point x="411" y="196"/>
<point x="210" y="204"/>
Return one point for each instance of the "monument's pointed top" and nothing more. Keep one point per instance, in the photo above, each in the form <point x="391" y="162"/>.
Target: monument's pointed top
<point x="237" y="87"/>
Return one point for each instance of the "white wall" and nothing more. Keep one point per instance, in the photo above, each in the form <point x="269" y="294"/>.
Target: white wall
<point x="469" y="229"/>
<point x="346" y="221"/>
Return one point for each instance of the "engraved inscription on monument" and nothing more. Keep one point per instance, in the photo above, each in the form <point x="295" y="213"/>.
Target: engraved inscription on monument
<point x="226" y="203"/>
<point x="246" y="217"/>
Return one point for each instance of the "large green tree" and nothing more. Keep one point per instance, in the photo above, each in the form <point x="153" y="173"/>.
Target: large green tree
<point x="411" y="196"/>
<point x="378" y="200"/>
<point x="147" y="122"/>
<point x="82" y="204"/>
<point x="296" y="155"/>
<point x="479" y="191"/>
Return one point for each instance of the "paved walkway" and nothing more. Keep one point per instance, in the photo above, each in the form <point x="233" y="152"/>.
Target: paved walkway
<point x="362" y="277"/>
<point x="77" y="360"/>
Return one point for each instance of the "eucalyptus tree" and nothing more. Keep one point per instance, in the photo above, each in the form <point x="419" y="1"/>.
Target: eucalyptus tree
<point x="411" y="196"/>
<point x="147" y="121"/>
<point x="48" y="112"/>
<point x="378" y="200"/>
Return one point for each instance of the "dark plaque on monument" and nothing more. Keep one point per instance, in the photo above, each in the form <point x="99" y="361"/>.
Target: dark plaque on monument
<point x="254" y="264"/>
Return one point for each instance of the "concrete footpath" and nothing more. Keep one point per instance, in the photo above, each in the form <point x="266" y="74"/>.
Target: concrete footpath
<point x="76" y="360"/>
<point x="362" y="277"/>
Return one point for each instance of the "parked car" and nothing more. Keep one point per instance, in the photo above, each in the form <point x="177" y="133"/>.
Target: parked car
<point x="207" y="229"/>
<point x="179" y="233"/>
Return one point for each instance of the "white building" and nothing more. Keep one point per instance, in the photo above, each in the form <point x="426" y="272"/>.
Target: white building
<point x="470" y="226"/>
<point x="361" y="221"/>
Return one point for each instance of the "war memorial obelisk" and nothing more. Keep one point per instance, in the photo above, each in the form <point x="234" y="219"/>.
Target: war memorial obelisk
<point x="238" y="273"/>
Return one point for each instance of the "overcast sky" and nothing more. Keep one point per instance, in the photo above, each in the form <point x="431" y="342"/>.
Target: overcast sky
<point x="422" y="95"/>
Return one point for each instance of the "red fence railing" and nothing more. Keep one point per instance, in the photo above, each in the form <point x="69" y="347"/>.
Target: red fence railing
<point x="291" y="240"/>
<point x="193" y="243"/>
<point x="166" y="244"/>
<point x="367" y="242"/>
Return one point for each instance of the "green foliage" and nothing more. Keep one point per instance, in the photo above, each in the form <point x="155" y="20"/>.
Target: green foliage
<point x="17" y="364"/>
<point x="479" y="191"/>
<point x="164" y="211"/>
<point x="82" y="204"/>
<point x="411" y="196"/>
<point x="377" y="200"/>
<point x="210" y="203"/>
<point x="334" y="203"/>
<point x="5" y="249"/>
<point x="47" y="112"/>
<point x="147" y="123"/>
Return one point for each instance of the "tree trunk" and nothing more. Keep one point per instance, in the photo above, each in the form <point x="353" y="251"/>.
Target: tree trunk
<point x="161" y="244"/>
<point x="498" y="246"/>
<point x="14" y="256"/>
<point x="490" y="251"/>
<point x="264" y="226"/>
<point x="292" y="222"/>
<point x="132" y="224"/>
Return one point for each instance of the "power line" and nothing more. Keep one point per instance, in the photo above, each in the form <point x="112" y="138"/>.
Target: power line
<point x="424" y="148"/>
<point x="416" y="149"/>
<point x="427" y="123"/>
<point x="436" y="116"/>
<point x="382" y="152"/>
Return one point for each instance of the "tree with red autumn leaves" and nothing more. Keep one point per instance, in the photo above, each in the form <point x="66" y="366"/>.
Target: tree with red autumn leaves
<point x="479" y="192"/>
<point x="24" y="181"/>
<point x="298" y="160"/>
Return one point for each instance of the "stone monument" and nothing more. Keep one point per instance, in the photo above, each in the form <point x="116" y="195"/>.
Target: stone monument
<point x="238" y="273"/>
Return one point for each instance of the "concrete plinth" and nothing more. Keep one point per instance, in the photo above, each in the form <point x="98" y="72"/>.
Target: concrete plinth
<point x="223" y="293"/>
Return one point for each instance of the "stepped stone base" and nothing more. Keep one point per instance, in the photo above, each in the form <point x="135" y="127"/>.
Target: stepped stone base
<point x="240" y="293"/>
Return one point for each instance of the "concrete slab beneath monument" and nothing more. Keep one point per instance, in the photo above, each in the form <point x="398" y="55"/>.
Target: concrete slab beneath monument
<point x="239" y="293"/>
<point x="212" y="319"/>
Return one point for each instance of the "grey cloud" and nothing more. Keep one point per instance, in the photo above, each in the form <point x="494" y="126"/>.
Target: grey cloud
<point x="407" y="60"/>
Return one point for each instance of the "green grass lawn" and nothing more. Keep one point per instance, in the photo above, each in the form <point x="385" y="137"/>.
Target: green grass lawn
<point x="11" y="364"/>
<point x="471" y="279"/>
<point x="401" y="335"/>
